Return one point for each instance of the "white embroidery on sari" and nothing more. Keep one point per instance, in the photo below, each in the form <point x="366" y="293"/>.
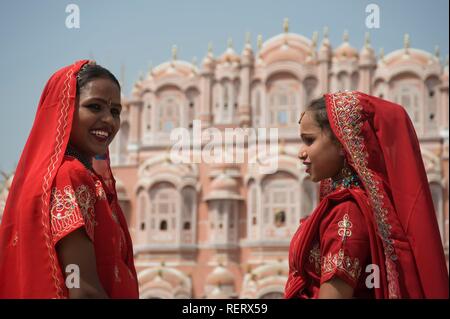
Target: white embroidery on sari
<point x="65" y="206"/>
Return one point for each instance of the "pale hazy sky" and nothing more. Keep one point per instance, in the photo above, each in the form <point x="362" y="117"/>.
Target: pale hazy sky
<point x="34" y="40"/>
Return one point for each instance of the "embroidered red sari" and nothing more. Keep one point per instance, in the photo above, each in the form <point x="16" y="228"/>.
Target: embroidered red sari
<point x="53" y="195"/>
<point x="388" y="222"/>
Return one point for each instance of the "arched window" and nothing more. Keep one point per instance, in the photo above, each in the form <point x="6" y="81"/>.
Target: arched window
<point x="408" y="97"/>
<point x="164" y="201"/>
<point x="169" y="112"/>
<point x="283" y="106"/>
<point x="225" y="101"/>
<point x="431" y="106"/>
<point x="407" y="90"/>
<point x="188" y="214"/>
<point x="280" y="201"/>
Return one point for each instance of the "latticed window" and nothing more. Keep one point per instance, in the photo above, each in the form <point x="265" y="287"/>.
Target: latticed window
<point x="169" y="113"/>
<point x="164" y="201"/>
<point x="283" y="107"/>
<point x="408" y="97"/>
<point x="280" y="203"/>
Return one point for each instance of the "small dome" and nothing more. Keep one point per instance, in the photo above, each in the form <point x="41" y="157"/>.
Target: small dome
<point x="230" y="56"/>
<point x="220" y="276"/>
<point x="224" y="187"/>
<point x="217" y="293"/>
<point x="208" y="61"/>
<point x="345" y="50"/>
<point x="224" y="182"/>
<point x="158" y="282"/>
<point x="367" y="53"/>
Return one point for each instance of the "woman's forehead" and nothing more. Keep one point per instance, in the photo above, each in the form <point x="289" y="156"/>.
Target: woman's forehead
<point x="100" y="88"/>
<point x="308" y="124"/>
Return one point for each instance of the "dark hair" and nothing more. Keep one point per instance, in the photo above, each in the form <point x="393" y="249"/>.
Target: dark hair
<point x="90" y="72"/>
<point x="319" y="108"/>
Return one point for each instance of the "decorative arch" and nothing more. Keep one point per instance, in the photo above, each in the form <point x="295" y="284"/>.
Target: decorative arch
<point x="264" y="280"/>
<point x="164" y="283"/>
<point x="283" y="100"/>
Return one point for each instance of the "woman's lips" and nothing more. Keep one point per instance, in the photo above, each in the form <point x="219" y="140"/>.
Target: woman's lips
<point x="101" y="136"/>
<point x="101" y="139"/>
<point x="308" y="167"/>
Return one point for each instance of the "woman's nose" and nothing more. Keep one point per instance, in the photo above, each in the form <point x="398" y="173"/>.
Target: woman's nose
<point x="107" y="117"/>
<point x="302" y="154"/>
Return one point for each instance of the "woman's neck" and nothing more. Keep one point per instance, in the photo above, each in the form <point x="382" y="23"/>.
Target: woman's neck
<point x="84" y="159"/>
<point x="345" y="181"/>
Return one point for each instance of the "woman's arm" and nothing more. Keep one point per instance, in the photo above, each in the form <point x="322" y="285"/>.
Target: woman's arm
<point x="335" y="289"/>
<point x="76" y="248"/>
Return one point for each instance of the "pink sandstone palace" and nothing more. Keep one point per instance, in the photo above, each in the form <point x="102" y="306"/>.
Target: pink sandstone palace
<point x="222" y="230"/>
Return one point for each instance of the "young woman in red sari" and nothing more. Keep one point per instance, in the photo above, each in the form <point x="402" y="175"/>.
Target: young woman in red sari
<point x="63" y="234"/>
<point x="374" y="233"/>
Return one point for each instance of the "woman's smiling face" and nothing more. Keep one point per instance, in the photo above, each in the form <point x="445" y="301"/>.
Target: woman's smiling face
<point x="319" y="152"/>
<point x="96" y="118"/>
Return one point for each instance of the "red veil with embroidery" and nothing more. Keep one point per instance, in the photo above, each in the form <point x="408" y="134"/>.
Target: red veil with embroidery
<point x="29" y="266"/>
<point x="382" y="148"/>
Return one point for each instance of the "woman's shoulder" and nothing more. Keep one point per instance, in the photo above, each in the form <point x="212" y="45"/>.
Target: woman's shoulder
<point x="345" y="207"/>
<point x="71" y="168"/>
<point x="345" y="215"/>
<point x="346" y="199"/>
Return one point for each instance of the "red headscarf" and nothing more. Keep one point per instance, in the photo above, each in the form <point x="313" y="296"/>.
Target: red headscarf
<point x="382" y="147"/>
<point x="29" y="265"/>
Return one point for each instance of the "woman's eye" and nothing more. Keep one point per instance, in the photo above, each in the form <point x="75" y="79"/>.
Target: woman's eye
<point x="308" y="141"/>
<point x="115" y="112"/>
<point x="94" y="107"/>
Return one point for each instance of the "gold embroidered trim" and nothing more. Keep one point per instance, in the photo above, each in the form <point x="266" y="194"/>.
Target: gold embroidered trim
<point x="99" y="191"/>
<point x="346" y="115"/>
<point x="314" y="258"/>
<point x="332" y="262"/>
<point x="344" y="230"/>
<point x="339" y="261"/>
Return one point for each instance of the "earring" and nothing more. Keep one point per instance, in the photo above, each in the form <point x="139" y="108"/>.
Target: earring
<point x="346" y="171"/>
